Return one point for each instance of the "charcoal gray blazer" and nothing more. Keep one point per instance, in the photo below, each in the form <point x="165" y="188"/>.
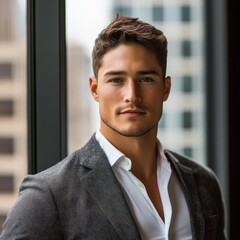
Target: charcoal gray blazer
<point x="80" y="198"/>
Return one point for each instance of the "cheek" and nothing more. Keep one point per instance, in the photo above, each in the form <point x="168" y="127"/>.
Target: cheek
<point x="154" y="101"/>
<point x="108" y="99"/>
<point x="153" y="97"/>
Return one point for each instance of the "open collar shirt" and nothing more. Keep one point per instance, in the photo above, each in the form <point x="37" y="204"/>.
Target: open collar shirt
<point x="176" y="224"/>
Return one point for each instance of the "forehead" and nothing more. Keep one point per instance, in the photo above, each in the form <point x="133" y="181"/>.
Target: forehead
<point x="129" y="57"/>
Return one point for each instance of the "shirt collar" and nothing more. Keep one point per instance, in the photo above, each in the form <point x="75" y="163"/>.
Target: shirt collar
<point x="113" y="154"/>
<point x="161" y="156"/>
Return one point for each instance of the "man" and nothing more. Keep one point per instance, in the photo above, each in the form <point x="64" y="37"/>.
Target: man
<point x="122" y="184"/>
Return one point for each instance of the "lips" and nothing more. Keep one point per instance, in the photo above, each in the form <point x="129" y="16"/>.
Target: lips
<point x="132" y="111"/>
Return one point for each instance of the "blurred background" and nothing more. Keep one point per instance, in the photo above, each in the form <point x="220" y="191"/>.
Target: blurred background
<point x="46" y="110"/>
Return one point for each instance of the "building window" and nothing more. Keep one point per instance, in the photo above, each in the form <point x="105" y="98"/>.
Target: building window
<point x="187" y="120"/>
<point x="188" y="151"/>
<point x="186" y="48"/>
<point x="123" y="11"/>
<point x="6" y="71"/>
<point x="185" y="13"/>
<point x="6" y="145"/>
<point x="6" y="107"/>
<point x="6" y="184"/>
<point x="187" y="84"/>
<point x="158" y="12"/>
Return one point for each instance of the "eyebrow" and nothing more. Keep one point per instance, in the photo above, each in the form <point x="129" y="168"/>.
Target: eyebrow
<point x="144" y="72"/>
<point x="113" y="73"/>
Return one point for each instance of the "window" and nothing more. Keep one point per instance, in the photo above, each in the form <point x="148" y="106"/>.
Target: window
<point x="188" y="151"/>
<point x="6" y="145"/>
<point x="158" y="13"/>
<point x="185" y="13"/>
<point x="6" y="184"/>
<point x="187" y="120"/>
<point x="6" y="71"/>
<point x="186" y="48"/>
<point x="6" y="107"/>
<point x="187" y="84"/>
<point x="123" y="11"/>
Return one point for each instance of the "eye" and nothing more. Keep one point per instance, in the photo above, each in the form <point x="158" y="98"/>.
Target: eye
<point x="115" y="81"/>
<point x="146" y="80"/>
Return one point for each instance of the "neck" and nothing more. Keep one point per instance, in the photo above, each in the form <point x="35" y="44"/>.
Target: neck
<point x="141" y="150"/>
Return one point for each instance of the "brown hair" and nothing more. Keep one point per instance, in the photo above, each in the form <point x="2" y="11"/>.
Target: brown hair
<point x="124" y="30"/>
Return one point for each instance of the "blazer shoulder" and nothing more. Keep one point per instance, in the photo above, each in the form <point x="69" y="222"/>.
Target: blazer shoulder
<point x="81" y="160"/>
<point x="72" y="169"/>
<point x="200" y="170"/>
<point x="187" y="161"/>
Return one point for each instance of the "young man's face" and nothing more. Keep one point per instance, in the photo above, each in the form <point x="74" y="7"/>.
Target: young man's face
<point x="130" y="90"/>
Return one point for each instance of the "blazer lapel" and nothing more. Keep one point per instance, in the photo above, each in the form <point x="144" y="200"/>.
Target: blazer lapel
<point x="102" y="184"/>
<point x="187" y="181"/>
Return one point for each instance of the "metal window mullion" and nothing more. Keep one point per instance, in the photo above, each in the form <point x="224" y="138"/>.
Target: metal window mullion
<point x="47" y="107"/>
<point x="217" y="93"/>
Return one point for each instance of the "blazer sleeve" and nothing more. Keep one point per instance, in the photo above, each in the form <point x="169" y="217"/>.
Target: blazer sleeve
<point x="33" y="214"/>
<point x="221" y="234"/>
<point x="211" y="201"/>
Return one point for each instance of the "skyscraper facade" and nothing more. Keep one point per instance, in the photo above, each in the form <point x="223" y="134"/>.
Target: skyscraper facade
<point x="13" y="131"/>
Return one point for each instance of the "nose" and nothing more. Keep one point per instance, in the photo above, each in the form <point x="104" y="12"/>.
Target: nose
<point x="132" y="92"/>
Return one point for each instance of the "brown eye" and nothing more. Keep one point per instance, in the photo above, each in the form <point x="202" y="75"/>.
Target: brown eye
<point x="146" y="80"/>
<point x="116" y="81"/>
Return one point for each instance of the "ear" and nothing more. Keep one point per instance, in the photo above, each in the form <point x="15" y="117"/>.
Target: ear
<point x="167" y="87"/>
<point x="93" y="87"/>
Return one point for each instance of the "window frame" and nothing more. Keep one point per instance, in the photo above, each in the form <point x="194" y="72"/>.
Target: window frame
<point x="217" y="112"/>
<point x="47" y="88"/>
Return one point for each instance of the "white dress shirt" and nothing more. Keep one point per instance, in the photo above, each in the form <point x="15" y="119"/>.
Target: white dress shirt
<point x="177" y="224"/>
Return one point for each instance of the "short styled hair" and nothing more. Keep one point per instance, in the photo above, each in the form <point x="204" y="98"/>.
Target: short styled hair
<point x="123" y="30"/>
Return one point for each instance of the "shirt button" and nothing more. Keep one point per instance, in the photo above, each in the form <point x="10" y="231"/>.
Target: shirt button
<point x="140" y="184"/>
<point x="126" y="162"/>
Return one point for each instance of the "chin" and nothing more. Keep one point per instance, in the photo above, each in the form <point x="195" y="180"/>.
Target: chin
<point x="133" y="133"/>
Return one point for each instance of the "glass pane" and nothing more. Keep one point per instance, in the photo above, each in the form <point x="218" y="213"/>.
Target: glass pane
<point x="183" y="25"/>
<point x="83" y="114"/>
<point x="13" y="131"/>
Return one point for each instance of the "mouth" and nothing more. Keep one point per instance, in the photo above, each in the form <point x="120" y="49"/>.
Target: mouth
<point x="133" y="112"/>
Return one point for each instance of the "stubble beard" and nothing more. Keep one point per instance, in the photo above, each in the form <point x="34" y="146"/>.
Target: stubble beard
<point x="129" y="133"/>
